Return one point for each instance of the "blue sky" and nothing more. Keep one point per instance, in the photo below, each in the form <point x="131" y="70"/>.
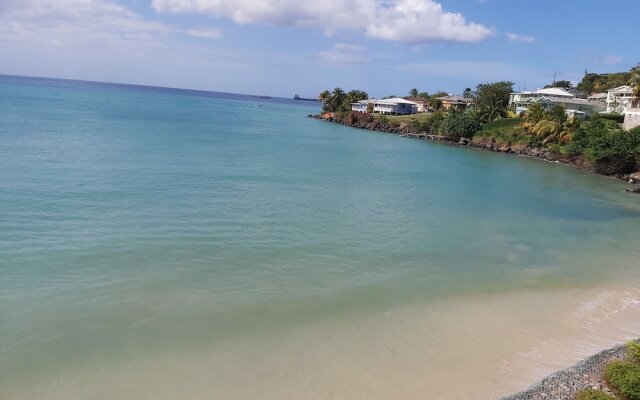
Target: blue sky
<point x="282" y="47"/>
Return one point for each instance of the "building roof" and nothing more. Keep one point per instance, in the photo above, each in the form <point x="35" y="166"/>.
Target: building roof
<point x="395" y="100"/>
<point x="417" y="100"/>
<point x="621" y="89"/>
<point x="583" y="102"/>
<point x="597" y="96"/>
<point x="554" y="92"/>
<point x="455" y="99"/>
<point x="369" y="101"/>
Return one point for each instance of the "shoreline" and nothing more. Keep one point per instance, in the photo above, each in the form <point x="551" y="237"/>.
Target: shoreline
<point x="489" y="144"/>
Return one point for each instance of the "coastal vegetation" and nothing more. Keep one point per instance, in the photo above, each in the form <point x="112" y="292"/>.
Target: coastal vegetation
<point x="340" y="101"/>
<point x="593" y="394"/>
<point x="621" y="376"/>
<point x="624" y="378"/>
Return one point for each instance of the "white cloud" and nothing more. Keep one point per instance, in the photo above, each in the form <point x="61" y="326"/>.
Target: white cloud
<point x="481" y="71"/>
<point x="415" y="21"/>
<point x="343" y="54"/>
<point x="611" y="59"/>
<point x="348" y="47"/>
<point x="94" y="24"/>
<point x="514" y="37"/>
<point x="205" y="33"/>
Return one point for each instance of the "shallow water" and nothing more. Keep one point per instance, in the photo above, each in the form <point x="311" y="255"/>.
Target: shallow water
<point x="163" y="243"/>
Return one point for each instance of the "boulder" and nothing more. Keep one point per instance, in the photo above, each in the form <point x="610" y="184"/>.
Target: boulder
<point x="635" y="190"/>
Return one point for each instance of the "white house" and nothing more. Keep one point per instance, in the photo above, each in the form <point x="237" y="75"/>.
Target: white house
<point x="631" y="118"/>
<point x="619" y="99"/>
<point x="395" y="106"/>
<point x="362" y="105"/>
<point x="573" y="107"/>
<point x="547" y="98"/>
<point x="422" y="104"/>
<point x="522" y="97"/>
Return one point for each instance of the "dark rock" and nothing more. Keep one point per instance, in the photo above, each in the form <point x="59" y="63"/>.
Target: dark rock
<point x="635" y="190"/>
<point x="608" y="166"/>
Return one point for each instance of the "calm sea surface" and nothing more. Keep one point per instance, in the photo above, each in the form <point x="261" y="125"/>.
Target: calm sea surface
<point x="143" y="221"/>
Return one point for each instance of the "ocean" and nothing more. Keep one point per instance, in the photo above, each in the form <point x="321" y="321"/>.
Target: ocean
<point x="164" y="243"/>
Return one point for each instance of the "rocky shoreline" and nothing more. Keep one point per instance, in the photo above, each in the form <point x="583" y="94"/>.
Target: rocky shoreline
<point x="565" y="384"/>
<point x="490" y="144"/>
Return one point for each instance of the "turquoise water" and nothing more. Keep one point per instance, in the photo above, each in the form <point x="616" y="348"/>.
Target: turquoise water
<point x="144" y="219"/>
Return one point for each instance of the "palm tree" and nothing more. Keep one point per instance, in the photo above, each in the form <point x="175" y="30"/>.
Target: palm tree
<point x="324" y="95"/>
<point x="413" y="93"/>
<point x="635" y="83"/>
<point x="553" y="131"/>
<point x="468" y="93"/>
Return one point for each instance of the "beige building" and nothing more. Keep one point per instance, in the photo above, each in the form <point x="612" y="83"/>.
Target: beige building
<point x="455" y="102"/>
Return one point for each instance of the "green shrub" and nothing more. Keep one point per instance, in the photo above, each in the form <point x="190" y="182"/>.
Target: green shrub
<point x="592" y="394"/>
<point x="624" y="378"/>
<point x="457" y="125"/>
<point x="633" y="352"/>
<point x="432" y="124"/>
<point x="603" y="143"/>
<point x="617" y="118"/>
<point x="416" y="126"/>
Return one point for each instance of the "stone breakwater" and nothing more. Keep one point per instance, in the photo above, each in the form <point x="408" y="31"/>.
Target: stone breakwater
<point x="565" y="384"/>
<point x="490" y="144"/>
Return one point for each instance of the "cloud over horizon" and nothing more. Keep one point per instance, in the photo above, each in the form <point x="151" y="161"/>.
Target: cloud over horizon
<point x="86" y="23"/>
<point x="413" y="21"/>
<point x="514" y="37"/>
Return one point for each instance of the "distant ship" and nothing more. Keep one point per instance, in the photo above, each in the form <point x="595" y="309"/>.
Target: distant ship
<point x="298" y="97"/>
<point x="261" y="97"/>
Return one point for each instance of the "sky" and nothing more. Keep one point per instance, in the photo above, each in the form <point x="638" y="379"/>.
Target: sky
<point x="287" y="47"/>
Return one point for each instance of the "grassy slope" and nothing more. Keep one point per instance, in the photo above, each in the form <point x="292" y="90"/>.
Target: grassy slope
<point x="421" y="117"/>
<point x="505" y="131"/>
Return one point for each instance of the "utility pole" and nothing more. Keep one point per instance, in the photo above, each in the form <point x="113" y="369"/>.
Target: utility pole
<point x="554" y="79"/>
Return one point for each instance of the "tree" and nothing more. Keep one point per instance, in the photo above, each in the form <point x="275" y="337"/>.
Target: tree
<point x="413" y="93"/>
<point x="566" y="85"/>
<point x="324" y="95"/>
<point x="557" y="113"/>
<point x="603" y="82"/>
<point x="334" y="101"/>
<point x="468" y="93"/>
<point x="492" y="100"/>
<point x="423" y="95"/>
<point x="552" y="131"/>
<point x="534" y="113"/>
<point x="634" y="81"/>
<point x="440" y="93"/>
<point x="435" y="104"/>
<point x="353" y="96"/>
<point x="338" y="100"/>
<point x="458" y="124"/>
